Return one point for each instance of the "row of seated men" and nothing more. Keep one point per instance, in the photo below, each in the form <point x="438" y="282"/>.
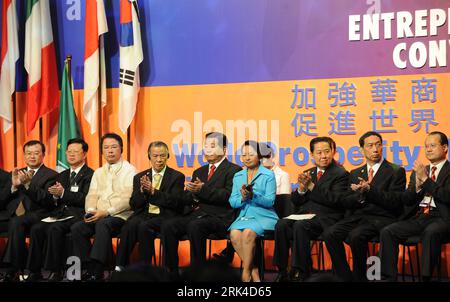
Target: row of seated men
<point x="353" y="207"/>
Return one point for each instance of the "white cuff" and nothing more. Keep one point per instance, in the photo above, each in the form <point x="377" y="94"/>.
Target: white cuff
<point x="301" y="192"/>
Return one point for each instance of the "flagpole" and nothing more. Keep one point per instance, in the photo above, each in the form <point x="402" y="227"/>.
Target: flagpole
<point x="128" y="144"/>
<point x="100" y="124"/>
<point x="69" y="67"/>
<point x="41" y="129"/>
<point x="14" y="127"/>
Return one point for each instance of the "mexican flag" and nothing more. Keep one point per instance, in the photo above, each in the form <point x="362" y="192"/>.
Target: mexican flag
<point x="40" y="62"/>
<point x="68" y="126"/>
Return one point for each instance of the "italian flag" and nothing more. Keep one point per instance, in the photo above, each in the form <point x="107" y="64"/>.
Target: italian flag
<point x="9" y="55"/>
<point x="40" y="62"/>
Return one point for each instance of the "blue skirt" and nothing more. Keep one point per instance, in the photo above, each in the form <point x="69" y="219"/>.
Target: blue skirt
<point x="250" y="222"/>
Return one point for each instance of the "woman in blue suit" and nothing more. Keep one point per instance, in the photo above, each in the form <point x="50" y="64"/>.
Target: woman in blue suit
<point x="253" y="193"/>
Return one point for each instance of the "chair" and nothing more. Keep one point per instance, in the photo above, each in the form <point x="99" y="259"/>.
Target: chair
<point x="320" y="253"/>
<point x="412" y="241"/>
<point x="439" y="264"/>
<point x="283" y="207"/>
<point x="212" y="237"/>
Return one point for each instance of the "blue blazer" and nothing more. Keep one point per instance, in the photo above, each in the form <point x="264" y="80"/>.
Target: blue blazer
<point x="261" y="205"/>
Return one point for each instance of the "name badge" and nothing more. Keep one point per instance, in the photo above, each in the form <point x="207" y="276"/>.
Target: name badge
<point x="74" y="189"/>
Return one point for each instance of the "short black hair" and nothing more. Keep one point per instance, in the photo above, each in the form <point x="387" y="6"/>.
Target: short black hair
<point x="80" y="141"/>
<point x="157" y="144"/>
<point x="321" y="139"/>
<point x="113" y="136"/>
<point x="221" y="138"/>
<point x="442" y="136"/>
<point x="366" y="135"/>
<point x="254" y="145"/>
<point x="32" y="143"/>
<point x="266" y="150"/>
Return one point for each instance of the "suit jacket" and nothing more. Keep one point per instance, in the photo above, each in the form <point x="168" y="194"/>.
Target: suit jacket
<point x="325" y="200"/>
<point x="439" y="190"/>
<point x="215" y="193"/>
<point x="260" y="205"/>
<point x="36" y="198"/>
<point x="5" y="188"/>
<point x="381" y="200"/>
<point x="72" y="203"/>
<point x="166" y="198"/>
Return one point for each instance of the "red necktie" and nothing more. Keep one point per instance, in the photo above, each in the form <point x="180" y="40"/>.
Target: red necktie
<point x="211" y="171"/>
<point x="370" y="175"/>
<point x="426" y="210"/>
<point x="433" y="176"/>
<point x="319" y="175"/>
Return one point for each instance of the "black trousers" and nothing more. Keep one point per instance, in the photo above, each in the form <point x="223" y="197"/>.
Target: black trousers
<point x="18" y="229"/>
<point x="358" y="231"/>
<point x="104" y="230"/>
<point x="301" y="232"/>
<point x="197" y="227"/>
<point x="141" y="228"/>
<point x="4" y="226"/>
<point x="432" y="230"/>
<point x="48" y="245"/>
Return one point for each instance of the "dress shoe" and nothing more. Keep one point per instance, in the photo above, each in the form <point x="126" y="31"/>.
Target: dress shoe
<point x="55" y="277"/>
<point x="34" y="277"/>
<point x="282" y="277"/>
<point x="295" y="276"/>
<point x="94" y="278"/>
<point x="174" y="275"/>
<point x="11" y="277"/>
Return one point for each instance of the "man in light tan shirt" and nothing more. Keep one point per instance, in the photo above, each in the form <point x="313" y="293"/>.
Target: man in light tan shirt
<point x="107" y="208"/>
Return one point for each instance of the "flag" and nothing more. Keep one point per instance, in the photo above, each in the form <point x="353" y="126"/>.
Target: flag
<point x="130" y="58"/>
<point x="1" y="154"/>
<point x="68" y="126"/>
<point x="8" y="59"/>
<point x="94" y="61"/>
<point x="40" y="62"/>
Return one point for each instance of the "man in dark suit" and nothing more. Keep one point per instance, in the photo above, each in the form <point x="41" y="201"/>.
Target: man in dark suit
<point x="28" y="203"/>
<point x="320" y="190"/>
<point x="155" y="198"/>
<point x="207" y="197"/>
<point x="373" y="206"/>
<point x="427" y="215"/>
<point x="5" y="189"/>
<point x="47" y="239"/>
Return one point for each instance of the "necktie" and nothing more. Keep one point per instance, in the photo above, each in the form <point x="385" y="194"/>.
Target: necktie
<point x="433" y="175"/>
<point x="72" y="177"/>
<point x="370" y="175"/>
<point x="426" y="210"/>
<point x="157" y="181"/>
<point x="319" y="175"/>
<point x="156" y="184"/>
<point x="20" y="210"/>
<point x="211" y="171"/>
